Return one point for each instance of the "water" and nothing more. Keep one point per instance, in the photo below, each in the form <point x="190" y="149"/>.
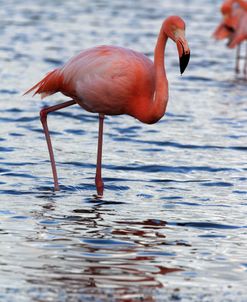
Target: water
<point x="172" y="224"/>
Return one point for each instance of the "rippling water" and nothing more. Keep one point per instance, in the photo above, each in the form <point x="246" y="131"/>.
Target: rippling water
<point x="172" y="224"/>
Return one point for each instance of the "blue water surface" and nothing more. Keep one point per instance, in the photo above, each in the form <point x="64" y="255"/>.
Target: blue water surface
<point x="172" y="224"/>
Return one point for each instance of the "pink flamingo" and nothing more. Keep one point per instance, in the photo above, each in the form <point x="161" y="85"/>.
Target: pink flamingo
<point x="242" y="31"/>
<point x="234" y="27"/>
<point x="111" y="80"/>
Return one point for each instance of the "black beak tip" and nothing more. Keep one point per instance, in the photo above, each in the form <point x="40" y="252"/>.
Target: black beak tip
<point x="183" y="62"/>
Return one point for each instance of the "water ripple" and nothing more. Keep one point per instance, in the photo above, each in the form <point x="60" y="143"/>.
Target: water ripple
<point x="182" y="146"/>
<point x="167" y="169"/>
<point x="172" y="223"/>
<point x="205" y="225"/>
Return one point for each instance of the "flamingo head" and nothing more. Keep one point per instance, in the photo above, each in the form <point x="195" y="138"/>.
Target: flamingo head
<point x="226" y="8"/>
<point x="174" y="27"/>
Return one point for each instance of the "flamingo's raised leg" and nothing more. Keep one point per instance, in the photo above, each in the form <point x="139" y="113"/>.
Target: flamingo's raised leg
<point x="98" y="179"/>
<point x="43" y="117"/>
<point x="237" y="69"/>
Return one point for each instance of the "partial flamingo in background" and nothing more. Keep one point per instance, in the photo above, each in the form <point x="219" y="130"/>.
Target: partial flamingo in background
<point x="234" y="28"/>
<point x="242" y="32"/>
<point x="111" y="80"/>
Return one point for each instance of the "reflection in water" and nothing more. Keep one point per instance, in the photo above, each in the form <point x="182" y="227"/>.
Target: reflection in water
<point x="120" y="258"/>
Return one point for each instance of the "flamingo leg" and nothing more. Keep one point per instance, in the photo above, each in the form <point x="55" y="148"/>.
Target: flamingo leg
<point x="98" y="179"/>
<point x="245" y="63"/>
<point x="237" y="59"/>
<point x="43" y="118"/>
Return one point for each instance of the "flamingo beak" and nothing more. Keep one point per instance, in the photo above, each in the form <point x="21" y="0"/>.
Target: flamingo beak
<point x="183" y="50"/>
<point x="184" y="61"/>
<point x="229" y="28"/>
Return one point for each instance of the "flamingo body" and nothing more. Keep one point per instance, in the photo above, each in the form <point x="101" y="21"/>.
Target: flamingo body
<point x="109" y="80"/>
<point x="238" y="21"/>
<point x="105" y="79"/>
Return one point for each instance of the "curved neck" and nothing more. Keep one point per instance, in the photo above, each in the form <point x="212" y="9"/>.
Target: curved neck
<point x="156" y="107"/>
<point x="161" y="83"/>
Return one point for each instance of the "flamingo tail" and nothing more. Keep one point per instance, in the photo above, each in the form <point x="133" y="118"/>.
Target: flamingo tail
<point x="50" y="84"/>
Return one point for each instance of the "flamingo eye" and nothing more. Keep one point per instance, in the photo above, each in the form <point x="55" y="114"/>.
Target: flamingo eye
<point x="173" y="28"/>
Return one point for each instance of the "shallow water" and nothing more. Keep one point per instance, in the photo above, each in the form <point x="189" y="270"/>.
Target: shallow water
<point x="172" y="225"/>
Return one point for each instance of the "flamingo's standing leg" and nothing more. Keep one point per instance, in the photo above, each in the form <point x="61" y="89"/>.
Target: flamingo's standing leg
<point x="43" y="117"/>
<point x="98" y="179"/>
<point x="245" y="63"/>
<point x="237" y="69"/>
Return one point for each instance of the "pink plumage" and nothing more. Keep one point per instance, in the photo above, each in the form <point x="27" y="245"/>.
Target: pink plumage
<point x="111" y="80"/>
<point x="233" y="27"/>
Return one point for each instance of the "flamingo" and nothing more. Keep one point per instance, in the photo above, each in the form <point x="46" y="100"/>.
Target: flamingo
<point x="233" y="26"/>
<point x="111" y="80"/>
<point x="240" y="33"/>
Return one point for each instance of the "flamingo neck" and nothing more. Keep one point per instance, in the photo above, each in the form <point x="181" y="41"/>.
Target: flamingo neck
<point x="161" y="83"/>
<point x="156" y="107"/>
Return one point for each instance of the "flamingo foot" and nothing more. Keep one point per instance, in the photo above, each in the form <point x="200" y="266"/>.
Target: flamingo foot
<point x="56" y="188"/>
<point x="96" y="196"/>
<point x="100" y="188"/>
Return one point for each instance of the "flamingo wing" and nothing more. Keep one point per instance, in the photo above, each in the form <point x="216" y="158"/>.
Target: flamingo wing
<point x="106" y="78"/>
